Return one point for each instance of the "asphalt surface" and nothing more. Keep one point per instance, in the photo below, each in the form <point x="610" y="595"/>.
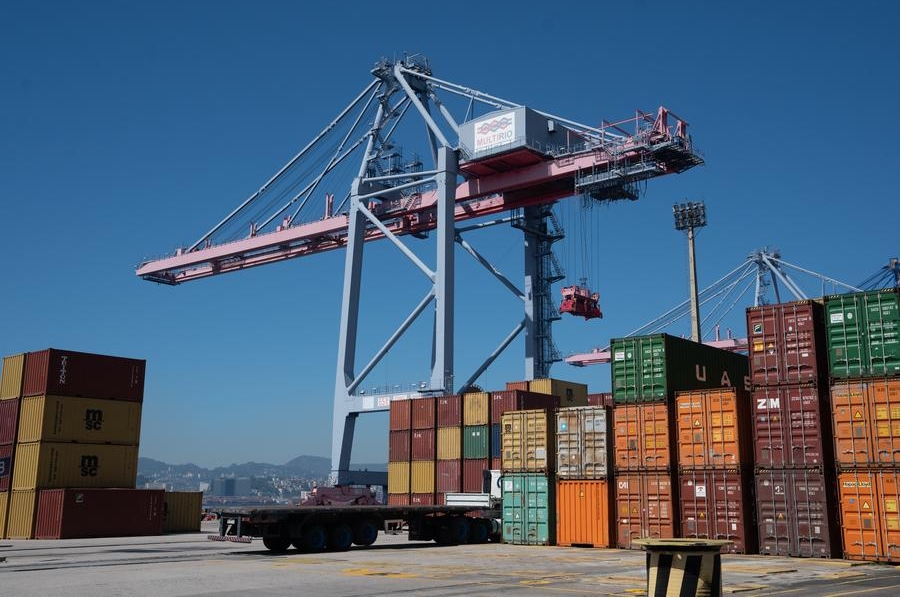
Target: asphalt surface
<point x="190" y="565"/>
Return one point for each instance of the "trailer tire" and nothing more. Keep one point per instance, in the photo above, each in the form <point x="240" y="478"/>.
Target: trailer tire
<point x="365" y="532"/>
<point x="452" y="531"/>
<point x="479" y="531"/>
<point x="340" y="537"/>
<point x="313" y="540"/>
<point x="276" y="543"/>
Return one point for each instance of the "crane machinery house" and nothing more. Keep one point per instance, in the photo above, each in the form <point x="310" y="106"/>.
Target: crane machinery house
<point x="513" y="129"/>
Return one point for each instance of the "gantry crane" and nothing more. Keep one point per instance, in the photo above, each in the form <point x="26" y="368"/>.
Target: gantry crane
<point x="356" y="182"/>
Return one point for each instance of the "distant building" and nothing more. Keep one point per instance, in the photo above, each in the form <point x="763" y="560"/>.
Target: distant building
<point x="230" y="487"/>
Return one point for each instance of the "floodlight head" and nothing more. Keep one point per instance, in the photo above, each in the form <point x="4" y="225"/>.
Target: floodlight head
<point x="692" y="214"/>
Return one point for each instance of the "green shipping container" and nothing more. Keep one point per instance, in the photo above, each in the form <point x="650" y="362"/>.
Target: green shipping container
<point x="529" y="509"/>
<point x="862" y="333"/>
<point x="657" y="366"/>
<point x="475" y="442"/>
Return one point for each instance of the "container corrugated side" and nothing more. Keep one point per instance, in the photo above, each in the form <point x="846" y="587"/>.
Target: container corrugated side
<point x="642" y="437"/>
<point x="399" y="445"/>
<point x="98" y="513"/>
<point x="11" y="377"/>
<point x="422" y="413"/>
<point x="528" y="514"/>
<point x="787" y="343"/>
<point x="519" y="400"/>
<point x="423" y="498"/>
<point x="423" y="445"/>
<point x="862" y="331"/>
<point x="70" y="465"/>
<point x="865" y="420"/>
<point x="399" y="414"/>
<point x="712" y="429"/>
<point x="4" y="505"/>
<point x="475" y="409"/>
<point x="792" y="427"/>
<point x="9" y="420"/>
<point x="584" y="516"/>
<point x="518" y="385"/>
<point x="422" y="477"/>
<point x="796" y="513"/>
<point x="450" y="443"/>
<point x="182" y="511"/>
<point x="717" y="504"/>
<point x="571" y="394"/>
<point x="399" y="477"/>
<point x="6" y="466"/>
<point x="645" y="507"/>
<point x="20" y="514"/>
<point x="600" y="399"/>
<point x="448" y="475"/>
<point x="79" y="419"/>
<point x="475" y="441"/>
<point x="583" y="443"/>
<point x="528" y="441"/>
<point x="869" y="514"/>
<point x="73" y="373"/>
<point x="450" y="411"/>
<point x="399" y="498"/>
<point x="474" y="474"/>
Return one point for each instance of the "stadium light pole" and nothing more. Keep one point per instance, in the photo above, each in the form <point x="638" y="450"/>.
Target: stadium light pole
<point x="689" y="216"/>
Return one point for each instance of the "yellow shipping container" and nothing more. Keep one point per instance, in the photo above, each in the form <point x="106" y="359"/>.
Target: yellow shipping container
<point x="20" y="517"/>
<point x="527" y="441"/>
<point x="422" y="477"/>
<point x="73" y="465"/>
<point x="449" y="442"/>
<point x="11" y="378"/>
<point x="182" y="511"/>
<point x="4" y="503"/>
<point x="399" y="477"/>
<point x="475" y="408"/>
<point x="78" y="419"/>
<point x="572" y="394"/>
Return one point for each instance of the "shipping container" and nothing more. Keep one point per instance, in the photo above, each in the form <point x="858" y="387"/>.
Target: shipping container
<point x="422" y="413"/>
<point x="448" y="475"/>
<point x="600" y="399"/>
<point x="475" y="442"/>
<point x="655" y="367"/>
<point x="796" y="513"/>
<point x="713" y="430"/>
<point x="398" y="477"/>
<point x="79" y="419"/>
<point x="475" y="409"/>
<point x="792" y="427"/>
<point x="6" y="466"/>
<point x="72" y="373"/>
<point x="527" y="439"/>
<point x="520" y="385"/>
<point x="450" y="411"/>
<point x="528" y="509"/>
<point x="182" y="511"/>
<point x="450" y="443"/>
<point x="645" y="507"/>
<point x="72" y="465"/>
<point x="422" y="477"/>
<point x="9" y="418"/>
<point x="865" y="420"/>
<point x="869" y="514"/>
<point x="642" y="438"/>
<point x="398" y="499"/>
<point x="571" y="394"/>
<point x="4" y="505"/>
<point x="12" y="376"/>
<point x="518" y="400"/>
<point x="862" y="334"/>
<point x="399" y="445"/>
<point x="584" y="515"/>
<point x="474" y="474"/>
<point x="399" y="414"/>
<point x="718" y="504"/>
<point x="98" y="513"/>
<point x="423" y="445"/>
<point x="787" y="343"/>
<point x="583" y="443"/>
<point x="423" y="498"/>
<point x="20" y="514"/>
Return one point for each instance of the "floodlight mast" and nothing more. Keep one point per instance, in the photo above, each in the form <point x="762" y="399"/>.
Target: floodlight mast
<point x="689" y="216"/>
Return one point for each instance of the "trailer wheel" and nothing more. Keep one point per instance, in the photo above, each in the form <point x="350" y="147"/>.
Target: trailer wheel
<point x="276" y="543"/>
<point x="452" y="530"/>
<point x="340" y="537"/>
<point x="479" y="530"/>
<point x="313" y="539"/>
<point x="365" y="532"/>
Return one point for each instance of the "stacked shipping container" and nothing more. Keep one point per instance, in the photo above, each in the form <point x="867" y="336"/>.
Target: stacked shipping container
<point x="529" y="488"/>
<point x="10" y="397"/>
<point x="862" y="332"/>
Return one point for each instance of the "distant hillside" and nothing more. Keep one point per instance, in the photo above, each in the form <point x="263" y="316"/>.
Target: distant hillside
<point x="305" y="466"/>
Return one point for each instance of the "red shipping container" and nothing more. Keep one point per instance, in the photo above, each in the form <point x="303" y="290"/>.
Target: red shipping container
<point x="448" y="475"/>
<point x="398" y="499"/>
<point x="601" y="399"/>
<point x="422" y="413"/>
<point x="75" y="374"/>
<point x="518" y="400"/>
<point x="421" y="498"/>
<point x="796" y="513"/>
<point x="787" y="343"/>
<point x="792" y="427"/>
<point x="717" y="505"/>
<point x="399" y="445"/>
<point x="423" y="445"/>
<point x="9" y="417"/>
<point x="6" y="466"/>
<point x="98" y="513"/>
<point x="524" y="385"/>
<point x="496" y="463"/>
<point x="450" y="411"/>
<point x="645" y="507"/>
<point x="473" y="476"/>
<point x="399" y="415"/>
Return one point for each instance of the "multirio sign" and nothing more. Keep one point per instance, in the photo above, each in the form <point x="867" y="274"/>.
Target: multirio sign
<point x="495" y="131"/>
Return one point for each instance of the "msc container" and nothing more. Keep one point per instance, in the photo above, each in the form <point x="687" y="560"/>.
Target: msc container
<point x="182" y="511"/>
<point x="645" y="507"/>
<point x="865" y="421"/>
<point x="98" y="513"/>
<point x="583" y="513"/>
<point x="717" y="504"/>
<point x="4" y="507"/>
<point x="422" y="477"/>
<point x="423" y="445"/>
<point x="528" y="509"/>
<point x="796" y="513"/>
<point x="449" y="443"/>
<point x="399" y="414"/>
<point x="521" y="385"/>
<point x="642" y="437"/>
<point x="474" y="474"/>
<point x="713" y="431"/>
<point x="450" y="411"/>
<point x="79" y="419"/>
<point x="9" y="418"/>
<point x="655" y="367"/>
<point x="787" y="343"/>
<point x="475" y="409"/>
<point x="862" y="334"/>
<point x="527" y="439"/>
<point x="399" y="445"/>
<point x="583" y="443"/>
<point x="20" y="514"/>
<point x="73" y="465"/>
<point x="518" y="400"/>
<point x="600" y="399"/>
<point x="11" y="376"/>
<point x="422" y="413"/>
<point x="448" y="475"/>
<point x="792" y="427"/>
<point x="71" y="373"/>
<point x="475" y="442"/>
<point x="399" y="478"/>
<point x="571" y="394"/>
<point x="869" y="513"/>
<point x="6" y="466"/>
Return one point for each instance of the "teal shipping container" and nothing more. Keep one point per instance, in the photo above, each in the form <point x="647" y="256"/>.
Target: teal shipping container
<point x="655" y="367"/>
<point x="862" y="334"/>
<point x="475" y="442"/>
<point x="529" y="513"/>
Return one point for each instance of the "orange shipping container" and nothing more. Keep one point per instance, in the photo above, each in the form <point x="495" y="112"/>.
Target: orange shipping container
<point x="865" y="417"/>
<point x="583" y="513"/>
<point x="642" y="438"/>
<point x="645" y="507"/>
<point x="714" y="429"/>
<point x="869" y="514"/>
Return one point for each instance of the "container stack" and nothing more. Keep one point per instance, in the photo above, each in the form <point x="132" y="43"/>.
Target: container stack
<point x="794" y="477"/>
<point x="400" y="437"/>
<point x="476" y="439"/>
<point x="10" y="397"/>
<point x="862" y="333"/>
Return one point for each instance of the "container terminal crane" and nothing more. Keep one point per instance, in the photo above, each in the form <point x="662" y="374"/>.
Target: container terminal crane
<point x="495" y="162"/>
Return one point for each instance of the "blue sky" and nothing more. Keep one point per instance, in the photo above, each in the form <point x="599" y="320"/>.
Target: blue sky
<point x="130" y="128"/>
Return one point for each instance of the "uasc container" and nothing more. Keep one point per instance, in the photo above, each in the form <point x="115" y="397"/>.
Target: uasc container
<point x="518" y="400"/>
<point x="11" y="376"/>
<point x="528" y="509"/>
<point x="865" y="419"/>
<point x="584" y="515"/>
<point x="79" y="419"/>
<point x="787" y="343"/>
<point x="583" y="443"/>
<point x="72" y="373"/>
<point x="571" y="394"/>
<point x="717" y="504"/>
<point x="73" y="465"/>
<point x="642" y="437"/>
<point x="792" y="427"/>
<point x="528" y="441"/>
<point x="869" y="513"/>
<point x="645" y="507"/>
<point x="862" y="334"/>
<point x="99" y="513"/>
<point x="713" y="429"/>
<point x="796" y="513"/>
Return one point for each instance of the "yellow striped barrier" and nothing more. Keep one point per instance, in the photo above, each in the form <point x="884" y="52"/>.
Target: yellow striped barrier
<point x="683" y="567"/>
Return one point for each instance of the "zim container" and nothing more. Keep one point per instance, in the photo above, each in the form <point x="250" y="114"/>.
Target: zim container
<point x="528" y="509"/>
<point x="422" y="413"/>
<point x="98" y="513"/>
<point x="787" y="343"/>
<point x="73" y="465"/>
<point x="865" y="421"/>
<point x="72" y="373"/>
<point x="518" y="400"/>
<point x="9" y="419"/>
<point x="645" y="507"/>
<point x="713" y="431"/>
<point x="796" y="513"/>
<point x="399" y="414"/>
<point x="6" y="466"/>
<point x="182" y="511"/>
<point x="79" y="419"/>
<point x="527" y="439"/>
<point x="642" y="437"/>
<point x="792" y="427"/>
<point x="862" y="334"/>
<point x="584" y="513"/>
<point x="571" y="394"/>
<point x="583" y="443"/>
<point x="450" y="411"/>
<point x="869" y="512"/>
<point x="717" y="504"/>
<point x="11" y="376"/>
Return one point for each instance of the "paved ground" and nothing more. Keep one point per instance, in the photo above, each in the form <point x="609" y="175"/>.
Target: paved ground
<point x="189" y="565"/>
